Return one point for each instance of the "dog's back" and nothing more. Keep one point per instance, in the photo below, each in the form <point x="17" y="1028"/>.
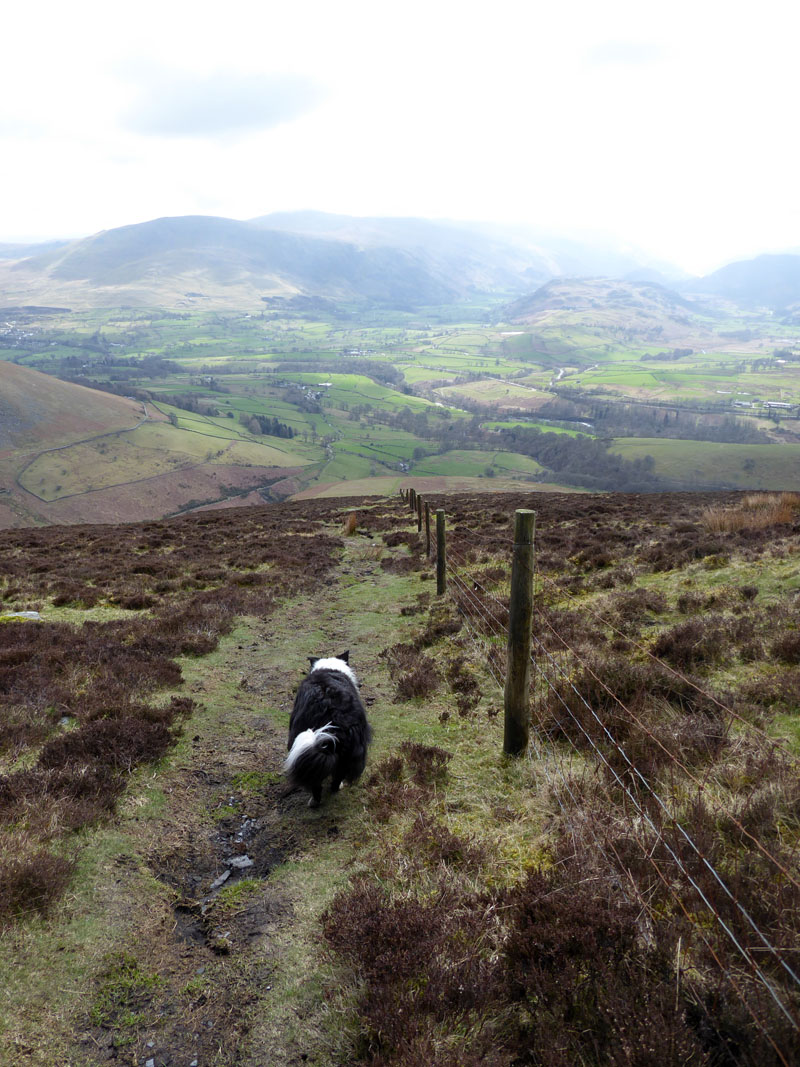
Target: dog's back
<point x="328" y="729"/>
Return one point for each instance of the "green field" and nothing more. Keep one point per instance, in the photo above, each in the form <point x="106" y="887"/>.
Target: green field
<point x="704" y="463"/>
<point x="356" y="389"/>
<point x="701" y="381"/>
<point x="493" y="392"/>
<point x="316" y="377"/>
<point x="150" y="450"/>
<point x="539" y="424"/>
<point x="476" y="463"/>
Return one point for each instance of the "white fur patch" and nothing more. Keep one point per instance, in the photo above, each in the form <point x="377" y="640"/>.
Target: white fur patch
<point x="305" y="740"/>
<point x="334" y="664"/>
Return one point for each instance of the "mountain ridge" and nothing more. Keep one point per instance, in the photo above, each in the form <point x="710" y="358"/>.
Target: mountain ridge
<point x="771" y="280"/>
<point x="209" y="260"/>
<point x="394" y="262"/>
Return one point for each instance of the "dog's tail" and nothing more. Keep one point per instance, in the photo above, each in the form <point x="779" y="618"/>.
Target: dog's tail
<point x="312" y="756"/>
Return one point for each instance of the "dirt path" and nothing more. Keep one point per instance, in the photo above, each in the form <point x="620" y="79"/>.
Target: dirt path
<point x="218" y="900"/>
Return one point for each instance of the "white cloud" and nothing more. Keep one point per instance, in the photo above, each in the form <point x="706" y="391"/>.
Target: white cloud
<point x="221" y="104"/>
<point x="629" y="53"/>
<point x="672" y="127"/>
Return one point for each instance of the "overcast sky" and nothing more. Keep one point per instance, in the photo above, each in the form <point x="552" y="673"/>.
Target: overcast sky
<point x="672" y="126"/>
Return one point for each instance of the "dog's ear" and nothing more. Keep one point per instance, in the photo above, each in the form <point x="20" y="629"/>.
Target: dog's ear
<point x="312" y="660"/>
<point x="345" y="656"/>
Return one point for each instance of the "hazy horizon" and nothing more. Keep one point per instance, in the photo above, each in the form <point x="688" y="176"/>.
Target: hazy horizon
<point x="670" y="131"/>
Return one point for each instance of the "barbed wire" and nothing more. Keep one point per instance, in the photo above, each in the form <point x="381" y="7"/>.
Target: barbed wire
<point x="650" y="858"/>
<point x="496" y="629"/>
<point x="500" y="630"/>
<point x="700" y="784"/>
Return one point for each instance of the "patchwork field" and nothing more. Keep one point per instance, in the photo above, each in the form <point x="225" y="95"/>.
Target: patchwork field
<point x="449" y="483"/>
<point x="501" y="394"/>
<point x="368" y="394"/>
<point x="476" y="463"/>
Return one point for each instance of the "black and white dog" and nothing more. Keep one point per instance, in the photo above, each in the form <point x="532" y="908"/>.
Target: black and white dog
<point x="328" y="728"/>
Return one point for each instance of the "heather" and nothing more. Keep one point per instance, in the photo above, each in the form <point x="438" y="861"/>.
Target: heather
<point x="626" y="893"/>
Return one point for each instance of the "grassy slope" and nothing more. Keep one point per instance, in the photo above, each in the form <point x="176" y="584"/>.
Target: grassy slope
<point x="703" y="463"/>
<point x="40" y="410"/>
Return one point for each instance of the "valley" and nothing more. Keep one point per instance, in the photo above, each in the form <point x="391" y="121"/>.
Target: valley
<point x="196" y="498"/>
<point x="584" y="385"/>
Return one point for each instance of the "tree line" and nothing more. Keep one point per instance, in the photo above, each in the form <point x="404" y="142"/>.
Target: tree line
<point x="265" y="424"/>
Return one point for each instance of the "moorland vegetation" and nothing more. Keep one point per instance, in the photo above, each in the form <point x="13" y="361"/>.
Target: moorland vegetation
<point x="627" y="893"/>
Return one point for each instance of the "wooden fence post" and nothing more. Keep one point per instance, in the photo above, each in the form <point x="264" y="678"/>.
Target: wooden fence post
<point x="441" y="553"/>
<point x="518" y="675"/>
<point x="419" y="513"/>
<point x="412" y="499"/>
<point x="427" y="530"/>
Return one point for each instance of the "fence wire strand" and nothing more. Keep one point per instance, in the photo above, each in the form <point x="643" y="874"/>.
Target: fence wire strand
<point x="484" y="615"/>
<point x="672" y="670"/>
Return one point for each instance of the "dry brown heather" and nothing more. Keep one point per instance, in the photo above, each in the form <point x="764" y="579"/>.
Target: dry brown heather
<point x="683" y="644"/>
<point x="184" y="582"/>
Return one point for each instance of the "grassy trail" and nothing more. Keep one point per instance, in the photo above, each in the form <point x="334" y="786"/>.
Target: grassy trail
<point x="149" y="958"/>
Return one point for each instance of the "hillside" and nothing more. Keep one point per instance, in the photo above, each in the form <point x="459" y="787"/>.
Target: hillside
<point x="23" y="251"/>
<point x="610" y="295"/>
<point x="491" y="256"/>
<point x="205" y="261"/>
<point x="768" y="281"/>
<point x="472" y="260"/>
<point x="37" y="409"/>
<point x="162" y="895"/>
<point x="69" y="454"/>
<point x="580" y="312"/>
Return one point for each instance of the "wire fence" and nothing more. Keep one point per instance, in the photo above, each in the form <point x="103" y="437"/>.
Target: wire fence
<point x="593" y="744"/>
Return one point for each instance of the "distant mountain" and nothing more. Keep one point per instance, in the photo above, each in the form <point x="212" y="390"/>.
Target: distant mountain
<point x="473" y="261"/>
<point x="489" y="257"/>
<point x="199" y="260"/>
<point x="612" y="310"/>
<point x="216" y="260"/>
<point x="599" y="294"/>
<point x="20" y="251"/>
<point x="770" y="281"/>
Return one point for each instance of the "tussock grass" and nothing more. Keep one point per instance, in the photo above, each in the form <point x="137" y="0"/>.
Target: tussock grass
<point x="756" y="511"/>
<point x="32" y="878"/>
